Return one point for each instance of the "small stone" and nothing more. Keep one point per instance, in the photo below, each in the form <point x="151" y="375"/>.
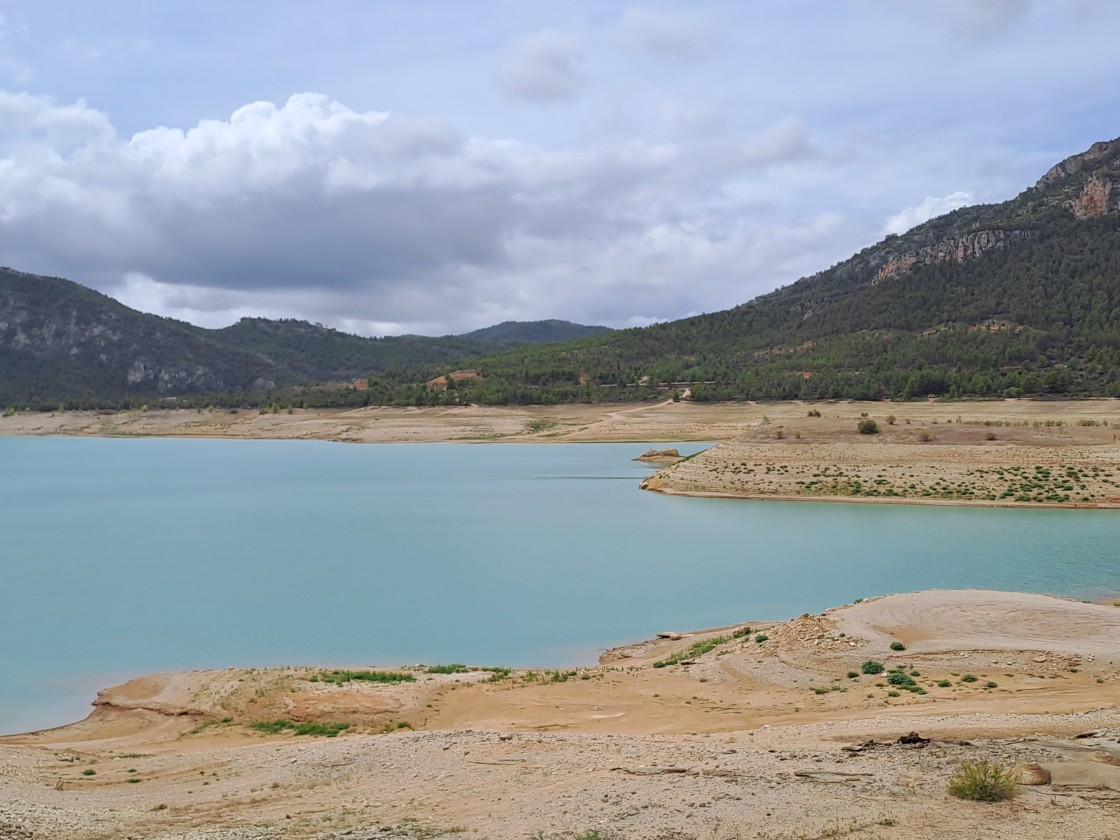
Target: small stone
<point x="1032" y="774"/>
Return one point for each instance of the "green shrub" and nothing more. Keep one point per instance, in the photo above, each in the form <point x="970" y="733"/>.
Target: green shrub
<point x="327" y="730"/>
<point x="872" y="667"/>
<point x="275" y="727"/>
<point x="271" y="727"/>
<point x="968" y="678"/>
<point x="867" y="426"/>
<point x="983" y="782"/>
<point x="454" y="668"/>
<point x="339" y="677"/>
<point x="898" y="646"/>
<point x="943" y="683"/>
<point x="761" y="637"/>
<point x="853" y="674"/>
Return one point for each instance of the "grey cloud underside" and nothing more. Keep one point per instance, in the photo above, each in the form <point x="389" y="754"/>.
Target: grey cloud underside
<point x="397" y="210"/>
<point x="338" y="242"/>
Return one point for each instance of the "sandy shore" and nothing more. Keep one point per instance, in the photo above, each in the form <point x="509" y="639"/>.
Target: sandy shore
<point x="1007" y="453"/>
<point x="996" y="454"/>
<point x="1050" y="423"/>
<point x="775" y="733"/>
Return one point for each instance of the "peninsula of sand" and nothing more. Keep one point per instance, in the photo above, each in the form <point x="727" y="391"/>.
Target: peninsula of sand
<point x="846" y="723"/>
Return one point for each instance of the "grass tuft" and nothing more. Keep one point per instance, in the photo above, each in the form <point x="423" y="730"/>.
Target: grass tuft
<point x="983" y="782"/>
<point x="692" y="651"/>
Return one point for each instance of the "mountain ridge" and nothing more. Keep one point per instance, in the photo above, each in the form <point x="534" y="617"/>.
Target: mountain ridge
<point x="1016" y="298"/>
<point x="1008" y="299"/>
<point x="60" y="340"/>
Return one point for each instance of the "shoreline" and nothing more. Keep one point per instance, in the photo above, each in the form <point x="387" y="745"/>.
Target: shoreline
<point x="715" y="494"/>
<point x="756" y="734"/>
<point x="611" y="654"/>
<point x="969" y="453"/>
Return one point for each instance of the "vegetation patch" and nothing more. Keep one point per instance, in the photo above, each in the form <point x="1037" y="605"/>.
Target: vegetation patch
<point x="454" y="668"/>
<point x="339" y="677"/>
<point x="692" y="651"/>
<point x="275" y="727"/>
<point x="983" y="782"/>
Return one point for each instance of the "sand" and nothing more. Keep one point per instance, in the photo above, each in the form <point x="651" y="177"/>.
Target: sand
<point x="767" y="739"/>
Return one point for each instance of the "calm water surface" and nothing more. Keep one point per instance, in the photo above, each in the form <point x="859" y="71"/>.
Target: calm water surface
<point x="125" y="557"/>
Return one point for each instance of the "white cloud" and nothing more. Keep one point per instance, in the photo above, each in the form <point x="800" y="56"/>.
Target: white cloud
<point x="541" y="67"/>
<point x="382" y="221"/>
<point x="679" y="35"/>
<point x="929" y="208"/>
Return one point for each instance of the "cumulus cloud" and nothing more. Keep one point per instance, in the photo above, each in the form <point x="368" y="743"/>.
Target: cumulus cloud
<point x="679" y="35"/>
<point x="929" y="208"/>
<point x="373" y="221"/>
<point x="541" y="67"/>
<point x="383" y="222"/>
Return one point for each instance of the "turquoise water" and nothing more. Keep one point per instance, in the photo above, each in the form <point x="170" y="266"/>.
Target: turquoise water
<point x="124" y="557"/>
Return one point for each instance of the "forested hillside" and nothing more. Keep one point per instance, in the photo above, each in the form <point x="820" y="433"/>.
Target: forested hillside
<point x="1011" y="299"/>
<point x="62" y="343"/>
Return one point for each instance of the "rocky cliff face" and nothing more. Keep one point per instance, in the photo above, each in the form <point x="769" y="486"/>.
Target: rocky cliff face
<point x="970" y="246"/>
<point x="1086" y="184"/>
<point x="1099" y="197"/>
<point x="1094" y="156"/>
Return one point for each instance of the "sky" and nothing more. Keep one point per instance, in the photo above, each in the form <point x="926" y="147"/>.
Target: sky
<point x="436" y="166"/>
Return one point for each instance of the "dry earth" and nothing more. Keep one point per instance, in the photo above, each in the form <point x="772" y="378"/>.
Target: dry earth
<point x="1005" y="453"/>
<point x="771" y="733"/>
<point x="664" y="421"/>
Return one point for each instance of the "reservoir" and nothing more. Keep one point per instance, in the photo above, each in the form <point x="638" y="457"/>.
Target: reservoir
<point x="121" y="557"/>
